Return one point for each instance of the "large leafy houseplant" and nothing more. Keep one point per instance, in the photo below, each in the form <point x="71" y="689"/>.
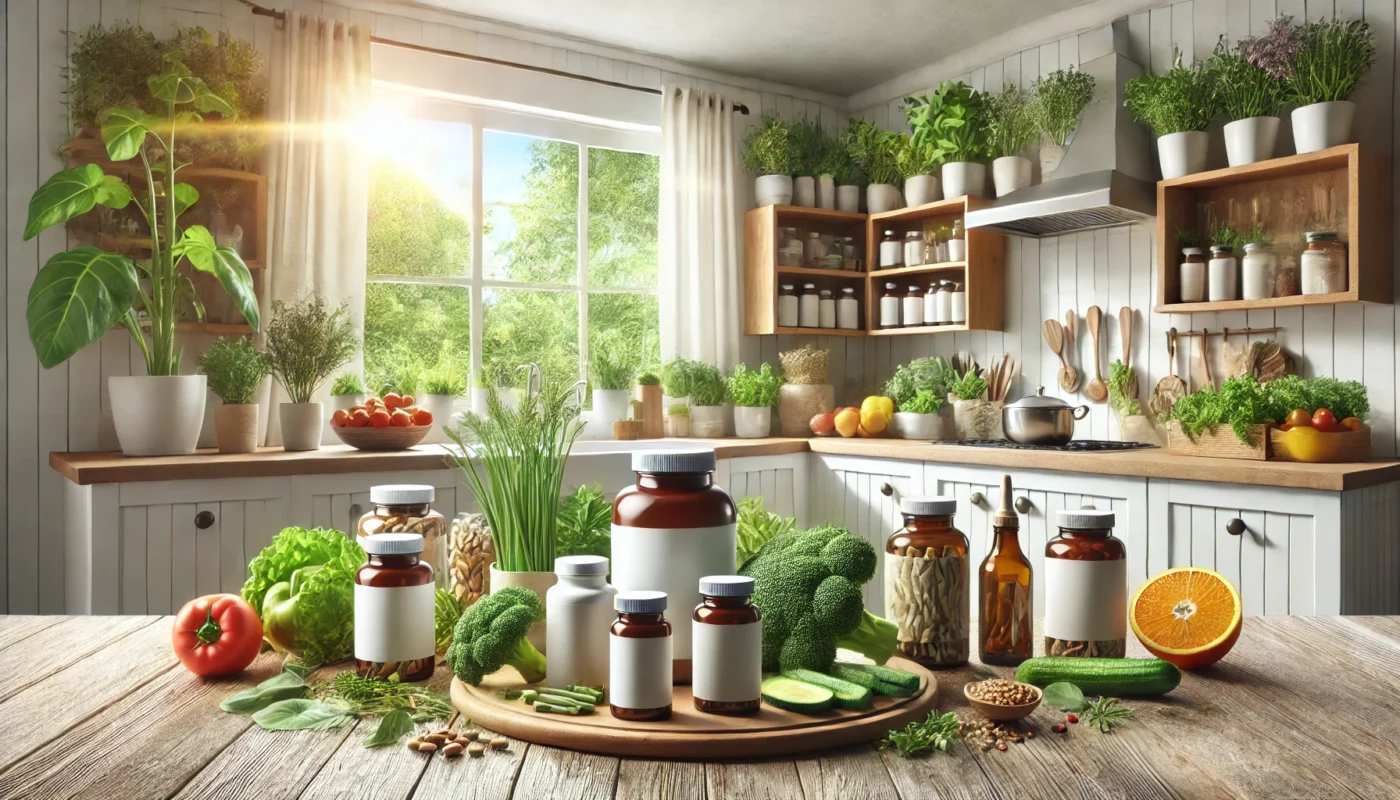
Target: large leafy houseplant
<point x="954" y="118"/>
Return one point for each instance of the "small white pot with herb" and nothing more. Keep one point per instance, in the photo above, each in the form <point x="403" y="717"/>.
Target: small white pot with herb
<point x="1060" y="98"/>
<point x="611" y="370"/>
<point x="306" y="343"/>
<point x="235" y="370"/>
<point x="918" y="418"/>
<point x="678" y="421"/>
<point x="1178" y="106"/>
<point x="442" y="387"/>
<point x="1328" y="60"/>
<point x="918" y="163"/>
<point x="754" y="394"/>
<point x="876" y="154"/>
<point x="1250" y="98"/>
<point x="953" y="120"/>
<point x="922" y="376"/>
<point x="808" y="146"/>
<point x="767" y="155"/>
<point x="347" y="392"/>
<point x="706" y="402"/>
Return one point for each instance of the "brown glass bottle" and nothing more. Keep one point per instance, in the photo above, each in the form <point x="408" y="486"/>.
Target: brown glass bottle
<point x="639" y="656"/>
<point x="394" y="609"/>
<point x="407" y="508"/>
<point x="1005" y="636"/>
<point x="1086" y="587"/>
<point x="926" y="583"/>
<point x="728" y="634"/>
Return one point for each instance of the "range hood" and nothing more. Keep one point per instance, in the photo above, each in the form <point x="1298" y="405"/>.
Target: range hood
<point x="1106" y="176"/>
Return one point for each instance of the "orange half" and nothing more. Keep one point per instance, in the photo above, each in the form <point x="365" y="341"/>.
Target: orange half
<point x="1187" y="616"/>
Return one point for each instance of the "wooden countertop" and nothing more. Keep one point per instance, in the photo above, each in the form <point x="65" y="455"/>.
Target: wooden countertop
<point x="99" y="706"/>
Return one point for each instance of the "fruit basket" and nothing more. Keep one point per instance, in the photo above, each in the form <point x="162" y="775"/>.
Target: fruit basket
<point x="391" y="438"/>
<point x="1319" y="447"/>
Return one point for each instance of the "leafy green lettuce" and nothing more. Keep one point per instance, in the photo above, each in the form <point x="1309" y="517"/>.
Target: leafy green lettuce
<point x="303" y="587"/>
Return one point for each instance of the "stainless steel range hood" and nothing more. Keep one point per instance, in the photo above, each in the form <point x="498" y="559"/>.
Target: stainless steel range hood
<point x="1106" y="176"/>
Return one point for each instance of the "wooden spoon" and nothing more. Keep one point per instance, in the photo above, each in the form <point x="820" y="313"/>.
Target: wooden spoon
<point x="1055" y="337"/>
<point x="1070" y="334"/>
<point x="1125" y="331"/>
<point x="1097" y="389"/>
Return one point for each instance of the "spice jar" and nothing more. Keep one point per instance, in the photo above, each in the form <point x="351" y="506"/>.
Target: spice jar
<point x="943" y="303"/>
<point x="957" y="244"/>
<point x="1006" y="637"/>
<point x="787" y="307"/>
<point x="1222" y="271"/>
<point x="640" y="657"/>
<point x="926" y="583"/>
<point x="815" y="251"/>
<point x="1086" y="587"/>
<point x="1193" y="276"/>
<point x="674" y="527"/>
<point x="394" y="609"/>
<point x="891" y="251"/>
<point x="1257" y="271"/>
<point x="809" y="307"/>
<point x="408" y="508"/>
<point x="849" y="259"/>
<point x="913" y="308"/>
<point x="579" y="608"/>
<point x="914" y="249"/>
<point x="826" y="310"/>
<point x="889" y="307"/>
<point x="957" y="304"/>
<point x="1323" y="266"/>
<point x="848" y="310"/>
<point x="790" y="248"/>
<point x="727" y="644"/>
<point x="931" y="305"/>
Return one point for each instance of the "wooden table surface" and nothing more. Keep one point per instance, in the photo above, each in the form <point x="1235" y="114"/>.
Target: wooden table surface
<point x="1303" y="707"/>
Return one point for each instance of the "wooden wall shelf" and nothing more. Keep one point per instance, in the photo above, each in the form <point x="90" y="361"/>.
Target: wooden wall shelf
<point x="1345" y="188"/>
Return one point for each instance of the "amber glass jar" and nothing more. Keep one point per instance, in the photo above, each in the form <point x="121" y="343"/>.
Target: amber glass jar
<point x="669" y="531"/>
<point x="639" y="658"/>
<point x="727" y="637"/>
<point x="926" y="583"/>
<point x="1086" y="587"/>
<point x="408" y="508"/>
<point x="1005" y="635"/>
<point x="394" y="609"/>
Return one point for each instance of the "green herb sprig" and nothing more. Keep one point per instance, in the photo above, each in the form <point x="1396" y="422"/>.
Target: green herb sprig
<point x="347" y="383"/>
<point x="767" y="148"/>
<point x="932" y="374"/>
<point x="754" y="389"/>
<point x="1120" y="376"/>
<point x="873" y="151"/>
<point x="307" y="341"/>
<point x="1244" y="90"/>
<point x="1181" y="99"/>
<point x="970" y="386"/>
<point x="1011" y="121"/>
<point x="1334" y="56"/>
<point x="447" y="609"/>
<point x="925" y="402"/>
<point x="235" y="368"/>
<point x="1060" y="98"/>
<point x="938" y="732"/>
<point x="585" y="523"/>
<point x="756" y="525"/>
<point x="1107" y="714"/>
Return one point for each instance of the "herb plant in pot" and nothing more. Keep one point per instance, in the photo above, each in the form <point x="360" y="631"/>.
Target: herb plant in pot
<point x="806" y="390"/>
<point x="81" y="294"/>
<point x="1178" y="106"/>
<point x="648" y="398"/>
<point x="235" y="369"/>
<point x="441" y="388"/>
<point x="347" y="392"/>
<point x="846" y="173"/>
<point x="1060" y="98"/>
<point x="832" y="162"/>
<point x="1010" y="129"/>
<point x="934" y="375"/>
<point x="917" y="418"/>
<point x="706" y="402"/>
<point x="306" y="343"/>
<point x="806" y="141"/>
<point x="753" y="393"/>
<point x="1330" y="59"/>
<point x="678" y="421"/>
<point x="954" y="118"/>
<point x="876" y="153"/>
<point x="974" y="416"/>
<point x="611" y="373"/>
<point x="767" y="155"/>
<point x="918" y="164"/>
<point x="1251" y="99"/>
<point x="675" y="381"/>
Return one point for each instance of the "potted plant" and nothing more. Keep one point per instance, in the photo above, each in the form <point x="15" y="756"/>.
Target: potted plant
<point x="767" y="155"/>
<point x="675" y="380"/>
<point x="648" y="404"/>
<point x="1060" y="98"/>
<point x="1010" y="129"/>
<point x="678" y="421"/>
<point x="1250" y="98"/>
<point x="1178" y="106"/>
<point x="706" y="402"/>
<point x="513" y="461"/>
<point x="918" y="165"/>
<point x="917" y="418"/>
<point x="611" y="372"/>
<point x="845" y="173"/>
<point x="876" y="154"/>
<point x="974" y="416"/>
<point x="833" y="162"/>
<point x="442" y="387"/>
<point x="79" y="295"/>
<point x="954" y="118"/>
<point x="753" y="394"/>
<point x="933" y="375"/>
<point x="306" y="343"/>
<point x="806" y="390"/>
<point x="806" y="141"/>
<point x="235" y="369"/>
<point x="1330" y="59"/>
<point x="347" y="392"/>
<point x="497" y="376"/>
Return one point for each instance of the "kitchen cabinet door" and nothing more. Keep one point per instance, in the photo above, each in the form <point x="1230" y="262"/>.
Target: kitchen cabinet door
<point x="780" y="480"/>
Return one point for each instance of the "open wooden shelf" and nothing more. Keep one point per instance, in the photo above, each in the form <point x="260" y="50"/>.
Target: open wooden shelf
<point x="763" y="276"/>
<point x="1344" y="188"/>
<point x="956" y="266"/>
<point x="902" y="331"/>
<point x="819" y="332"/>
<point x="938" y="208"/>
<point x="818" y="214"/>
<point x="812" y="272"/>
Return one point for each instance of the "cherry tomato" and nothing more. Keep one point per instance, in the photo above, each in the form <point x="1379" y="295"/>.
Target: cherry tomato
<point x="218" y="634"/>
<point x="1351" y="424"/>
<point x="1299" y="418"/>
<point x="379" y="419"/>
<point x="1323" y="420"/>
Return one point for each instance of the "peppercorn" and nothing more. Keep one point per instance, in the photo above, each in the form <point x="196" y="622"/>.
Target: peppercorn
<point x="1059" y="727"/>
<point x="1071" y="718"/>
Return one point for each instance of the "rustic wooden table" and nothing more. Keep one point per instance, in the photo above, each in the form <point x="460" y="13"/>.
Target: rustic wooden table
<point x="1303" y="707"/>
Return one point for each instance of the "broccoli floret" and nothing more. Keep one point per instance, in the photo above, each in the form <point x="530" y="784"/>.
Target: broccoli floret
<point x="807" y="584"/>
<point x="492" y="634"/>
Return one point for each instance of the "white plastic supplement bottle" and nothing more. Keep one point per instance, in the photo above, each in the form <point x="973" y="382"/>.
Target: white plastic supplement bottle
<point x="580" y="609"/>
<point x="639" y="655"/>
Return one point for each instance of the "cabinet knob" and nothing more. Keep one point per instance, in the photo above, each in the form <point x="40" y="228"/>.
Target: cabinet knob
<point x="976" y="498"/>
<point x="886" y="490"/>
<point x="1235" y="527"/>
<point x="204" y="520"/>
<point x="1023" y="505"/>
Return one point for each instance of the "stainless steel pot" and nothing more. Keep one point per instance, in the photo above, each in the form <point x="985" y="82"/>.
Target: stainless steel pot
<point x="1041" y="420"/>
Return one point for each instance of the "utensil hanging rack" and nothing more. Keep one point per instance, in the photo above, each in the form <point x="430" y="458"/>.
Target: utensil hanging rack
<point x="1225" y="332"/>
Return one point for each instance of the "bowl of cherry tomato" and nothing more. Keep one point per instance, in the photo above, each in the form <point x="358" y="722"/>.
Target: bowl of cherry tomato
<point x="392" y="422"/>
<point x="1320" y="437"/>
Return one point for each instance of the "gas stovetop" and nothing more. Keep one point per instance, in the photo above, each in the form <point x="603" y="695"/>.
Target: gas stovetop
<point x="1076" y="446"/>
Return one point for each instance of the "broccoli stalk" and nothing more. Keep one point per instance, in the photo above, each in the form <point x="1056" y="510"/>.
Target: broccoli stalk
<point x="492" y="634"/>
<point x="875" y="638"/>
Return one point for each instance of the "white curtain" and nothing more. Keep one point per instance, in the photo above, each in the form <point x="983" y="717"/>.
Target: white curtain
<point x="700" y="231"/>
<point x="317" y="195"/>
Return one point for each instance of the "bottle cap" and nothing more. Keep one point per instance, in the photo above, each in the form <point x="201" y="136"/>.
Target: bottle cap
<point x="726" y="586"/>
<point x="393" y="544"/>
<point x="1085" y="519"/>
<point x="401" y="494"/>
<point x="673" y="461"/>
<point x="928" y="506"/>
<point x="1006" y="514"/>
<point x="580" y="565"/>
<point x="640" y="602"/>
<point x="809" y="286"/>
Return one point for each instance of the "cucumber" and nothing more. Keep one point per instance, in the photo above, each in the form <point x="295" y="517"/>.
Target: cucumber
<point x="890" y="675"/>
<point x="1112" y="677"/>
<point x="804" y="698"/>
<point x="848" y="695"/>
<point x="887" y="689"/>
<point x="860" y="677"/>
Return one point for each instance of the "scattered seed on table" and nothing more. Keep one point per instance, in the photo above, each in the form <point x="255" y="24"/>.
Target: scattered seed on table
<point x="427" y="747"/>
<point x="476" y="750"/>
<point x="1001" y="746"/>
<point x="1059" y="727"/>
<point x="1030" y="734"/>
<point x="1072" y="718"/>
<point x="472" y="734"/>
<point x="414" y="743"/>
<point x="499" y="743"/>
<point x="453" y="750"/>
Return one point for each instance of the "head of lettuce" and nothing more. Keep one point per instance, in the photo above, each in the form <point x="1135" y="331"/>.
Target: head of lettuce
<point x="303" y="587"/>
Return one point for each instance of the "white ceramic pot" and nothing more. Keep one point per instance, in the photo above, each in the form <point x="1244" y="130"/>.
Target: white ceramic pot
<point x="826" y="192"/>
<point x="537" y="582"/>
<point x="706" y="422"/>
<point x="441" y="406"/>
<point x="882" y="197"/>
<point x="1250" y="140"/>
<point x="1050" y="157"/>
<point x="752" y="423"/>
<point x="157" y="416"/>
<point x="345" y="402"/>
<point x="924" y="427"/>
<point x="804" y="191"/>
<point x="957" y="249"/>
<point x="921" y="189"/>
<point x="1222" y="279"/>
<point x="301" y="425"/>
<point x="609" y="406"/>
<point x="1322" y="125"/>
<point x="772" y="190"/>
<point x="963" y="178"/>
<point x="848" y="199"/>
<point x="1010" y="173"/>
<point x="237" y="427"/>
<point x="677" y="426"/>
<point x="1183" y="153"/>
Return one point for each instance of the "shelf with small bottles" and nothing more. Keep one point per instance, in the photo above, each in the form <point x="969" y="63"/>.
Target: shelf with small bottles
<point x="786" y="249"/>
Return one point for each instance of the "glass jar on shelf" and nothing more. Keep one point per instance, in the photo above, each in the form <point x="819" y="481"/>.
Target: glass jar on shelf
<point x="891" y="251"/>
<point x="809" y="307"/>
<point x="790" y="248"/>
<point x="889" y="307"/>
<point x="1323" y="265"/>
<point x="850" y="259"/>
<point x="943" y="304"/>
<point x="927" y="583"/>
<point x="1257" y="270"/>
<point x="815" y="251"/>
<point x="408" y="508"/>
<point x="1192" y="286"/>
<point x="1222" y="274"/>
<point x="957" y="304"/>
<point x="914" y="249"/>
<point x="957" y="242"/>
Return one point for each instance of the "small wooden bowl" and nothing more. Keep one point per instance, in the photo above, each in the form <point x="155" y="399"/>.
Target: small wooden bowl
<point x="391" y="438"/>
<point x="997" y="713"/>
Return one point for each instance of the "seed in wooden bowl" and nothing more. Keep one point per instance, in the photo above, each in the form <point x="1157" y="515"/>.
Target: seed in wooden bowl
<point x="1002" y="692"/>
<point x="476" y="750"/>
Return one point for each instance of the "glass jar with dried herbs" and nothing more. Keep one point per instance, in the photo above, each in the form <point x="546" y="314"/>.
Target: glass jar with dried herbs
<point x="926" y="583"/>
<point x="1004" y="589"/>
<point x="1086" y="587"/>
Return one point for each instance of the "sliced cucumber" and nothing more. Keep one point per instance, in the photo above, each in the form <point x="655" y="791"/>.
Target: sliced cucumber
<point x="848" y="695"/>
<point x="859" y="674"/>
<point x="791" y="695"/>
<point x="890" y="675"/>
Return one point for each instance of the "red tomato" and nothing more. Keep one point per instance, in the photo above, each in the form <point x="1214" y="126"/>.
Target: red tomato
<point x="218" y="634"/>
<point x="339" y="418"/>
<point x="379" y="419"/>
<point x="423" y="417"/>
<point x="1299" y="418"/>
<point x="401" y="418"/>
<point x="1351" y="424"/>
<point x="392" y="401"/>
<point x="1323" y="420"/>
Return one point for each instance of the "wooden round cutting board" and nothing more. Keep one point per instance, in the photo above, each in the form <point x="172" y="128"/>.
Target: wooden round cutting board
<point x="689" y="734"/>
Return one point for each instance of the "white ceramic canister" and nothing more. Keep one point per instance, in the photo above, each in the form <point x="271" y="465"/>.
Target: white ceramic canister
<point x="826" y="310"/>
<point x="913" y="308"/>
<point x="848" y="310"/>
<point x="943" y="304"/>
<point x="1193" y="275"/>
<point x="1222" y="273"/>
<point x="787" y="307"/>
<point x="809" y="307"/>
<point x="1257" y="270"/>
<point x="931" y="305"/>
<point x="891" y="251"/>
<point x="580" y="610"/>
<point x="1322" y="267"/>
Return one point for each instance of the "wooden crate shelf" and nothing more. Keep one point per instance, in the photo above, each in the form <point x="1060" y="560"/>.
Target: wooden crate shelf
<point x="812" y="272"/>
<point x="1346" y="188"/>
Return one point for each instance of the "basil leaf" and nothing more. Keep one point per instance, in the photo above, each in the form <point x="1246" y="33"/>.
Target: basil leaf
<point x="301" y="715"/>
<point x="283" y="686"/>
<point x="391" y="729"/>
<point x="1064" y="696"/>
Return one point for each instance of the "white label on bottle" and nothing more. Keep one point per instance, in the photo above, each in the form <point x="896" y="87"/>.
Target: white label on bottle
<point x="727" y="662"/>
<point x="889" y="310"/>
<point x="1086" y="601"/>
<point x="672" y="560"/>
<point x="393" y="623"/>
<point x="639" y="672"/>
<point x="577" y="641"/>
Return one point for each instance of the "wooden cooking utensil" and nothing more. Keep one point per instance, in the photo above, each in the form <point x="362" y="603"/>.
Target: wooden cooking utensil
<point x="1205" y="361"/>
<point x="1125" y="332"/>
<point x="1055" y="337"/>
<point x="1169" y="388"/>
<point x="1097" y="389"/>
<point x="1070" y="335"/>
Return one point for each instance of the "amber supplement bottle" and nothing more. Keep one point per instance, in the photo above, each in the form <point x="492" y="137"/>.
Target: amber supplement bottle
<point x="1005" y="637"/>
<point x="1086" y="587"/>
<point x="408" y="508"/>
<point x="926" y="583"/>
<point x="669" y="531"/>
<point x="727" y="647"/>
<point x="639" y="658"/>
<point x="394" y="609"/>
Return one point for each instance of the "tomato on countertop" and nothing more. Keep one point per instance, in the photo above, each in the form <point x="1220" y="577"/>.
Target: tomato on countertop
<point x="1298" y="418"/>
<point x="1323" y="420"/>
<point x="218" y="634"/>
<point x="1351" y="424"/>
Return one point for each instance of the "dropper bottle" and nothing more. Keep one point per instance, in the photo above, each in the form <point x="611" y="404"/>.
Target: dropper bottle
<point x="1005" y="636"/>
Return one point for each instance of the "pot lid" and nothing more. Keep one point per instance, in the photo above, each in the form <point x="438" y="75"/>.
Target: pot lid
<point x="1039" y="400"/>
